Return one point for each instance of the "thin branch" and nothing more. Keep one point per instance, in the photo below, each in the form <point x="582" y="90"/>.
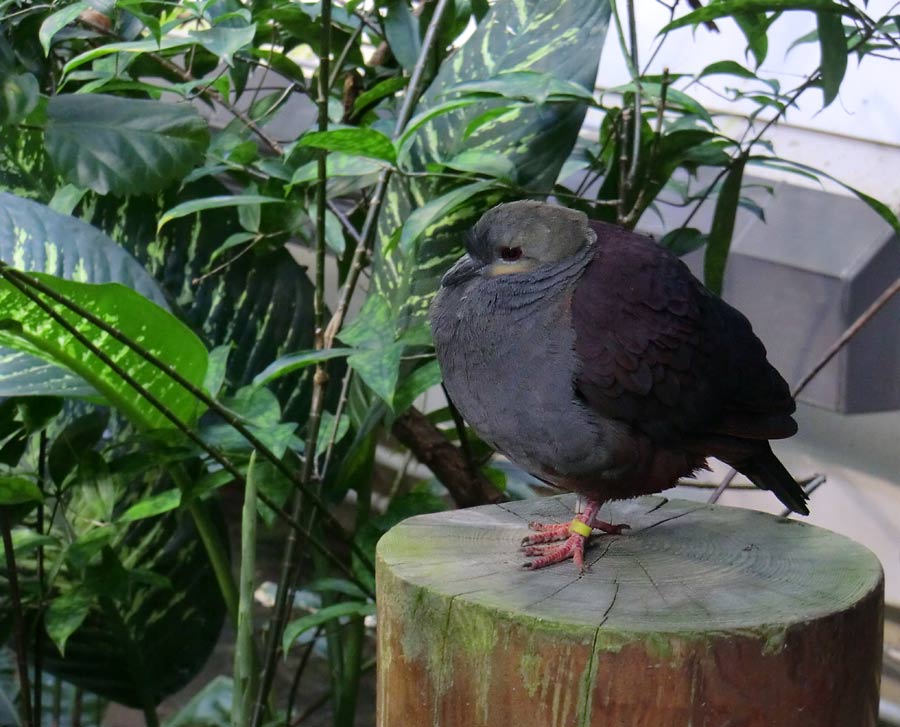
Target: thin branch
<point x="12" y="577"/>
<point x="188" y="77"/>
<point x="880" y="302"/>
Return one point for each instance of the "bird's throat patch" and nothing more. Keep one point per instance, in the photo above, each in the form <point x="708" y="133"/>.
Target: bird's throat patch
<point x="522" y="266"/>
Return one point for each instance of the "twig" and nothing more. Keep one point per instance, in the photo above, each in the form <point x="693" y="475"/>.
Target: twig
<point x="15" y="598"/>
<point x="636" y="121"/>
<point x="38" y="657"/>
<point x="298" y="674"/>
<point x="369" y="226"/>
<point x="188" y="77"/>
<point x="857" y="325"/>
<point x="309" y="474"/>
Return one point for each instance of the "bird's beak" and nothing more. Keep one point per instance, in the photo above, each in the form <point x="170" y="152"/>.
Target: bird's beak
<point x="465" y="268"/>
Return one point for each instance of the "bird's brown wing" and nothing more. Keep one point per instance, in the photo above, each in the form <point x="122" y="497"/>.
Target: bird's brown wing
<point x="658" y="351"/>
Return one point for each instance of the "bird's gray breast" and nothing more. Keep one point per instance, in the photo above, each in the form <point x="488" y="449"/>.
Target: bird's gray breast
<point x="508" y="360"/>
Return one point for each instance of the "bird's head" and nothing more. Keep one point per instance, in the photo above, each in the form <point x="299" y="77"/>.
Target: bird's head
<point x="520" y="237"/>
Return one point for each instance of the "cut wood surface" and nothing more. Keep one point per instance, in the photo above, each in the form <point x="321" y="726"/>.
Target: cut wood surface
<point x="700" y="616"/>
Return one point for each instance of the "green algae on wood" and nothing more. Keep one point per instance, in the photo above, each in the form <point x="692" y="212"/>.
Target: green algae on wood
<point x="468" y="637"/>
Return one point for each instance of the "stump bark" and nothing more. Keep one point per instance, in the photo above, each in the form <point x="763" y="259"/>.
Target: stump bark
<point x="700" y="616"/>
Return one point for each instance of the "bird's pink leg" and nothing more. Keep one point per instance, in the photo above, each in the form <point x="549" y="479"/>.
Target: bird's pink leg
<point x="574" y="534"/>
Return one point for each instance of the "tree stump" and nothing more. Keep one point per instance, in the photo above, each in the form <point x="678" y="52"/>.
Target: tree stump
<point x="700" y="616"/>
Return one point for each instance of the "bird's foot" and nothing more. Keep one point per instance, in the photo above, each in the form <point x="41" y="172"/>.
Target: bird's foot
<point x="574" y="534"/>
<point x="545" y="555"/>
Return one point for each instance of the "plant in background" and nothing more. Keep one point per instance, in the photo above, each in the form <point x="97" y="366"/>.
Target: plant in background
<point x="162" y="165"/>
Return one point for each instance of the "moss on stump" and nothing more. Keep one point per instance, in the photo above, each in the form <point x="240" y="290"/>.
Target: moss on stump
<point x="700" y="616"/>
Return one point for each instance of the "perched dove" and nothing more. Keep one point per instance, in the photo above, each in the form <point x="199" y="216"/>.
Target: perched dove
<point x="591" y="357"/>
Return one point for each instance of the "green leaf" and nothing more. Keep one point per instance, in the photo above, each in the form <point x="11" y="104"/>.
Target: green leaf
<point x="723" y="228"/>
<point x="360" y="141"/>
<point x="434" y="211"/>
<point x="208" y="203"/>
<point x="423" y="117"/>
<point x="530" y="86"/>
<point x="65" y="615"/>
<point x="55" y="22"/>
<point x="294" y="361"/>
<point x="416" y="383"/>
<point x="833" y="46"/>
<point x="379" y="368"/>
<point x="381" y="90"/>
<point x="152" y="506"/>
<point x="755" y="28"/>
<point x="223" y="41"/>
<point x="726" y="8"/>
<point x="373" y="327"/>
<point x="19" y="95"/>
<point x="728" y="68"/>
<point x="297" y="628"/>
<point x="210" y="707"/>
<point x="337" y="585"/>
<point x="330" y="429"/>
<point x="338" y="165"/>
<point x="490" y="164"/>
<point x="683" y="240"/>
<point x="16" y="490"/>
<point x="26" y="327"/>
<point x="137" y="47"/>
<point x="123" y="145"/>
<point x="401" y="30"/>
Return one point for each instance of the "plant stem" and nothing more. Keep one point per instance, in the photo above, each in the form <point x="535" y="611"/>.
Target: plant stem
<point x="245" y="673"/>
<point x="38" y="657"/>
<point x="15" y="598"/>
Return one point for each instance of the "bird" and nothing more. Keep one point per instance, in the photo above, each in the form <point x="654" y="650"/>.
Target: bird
<point x="591" y="357"/>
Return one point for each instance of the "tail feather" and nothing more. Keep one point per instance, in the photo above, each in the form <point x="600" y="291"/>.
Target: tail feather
<point x="766" y="471"/>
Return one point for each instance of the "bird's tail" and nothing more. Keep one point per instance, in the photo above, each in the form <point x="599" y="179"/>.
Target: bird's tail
<point x="766" y="471"/>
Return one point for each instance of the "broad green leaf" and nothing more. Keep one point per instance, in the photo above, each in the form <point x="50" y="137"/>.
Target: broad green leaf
<point x="379" y="368"/>
<point x="360" y="141"/>
<point x="19" y="95"/>
<point x="24" y="326"/>
<point x="24" y="375"/>
<point x="563" y="40"/>
<point x="489" y="164"/>
<point x="152" y="506"/>
<point x="55" y="22"/>
<point x="223" y="41"/>
<point x="65" y="615"/>
<point x="337" y="585"/>
<point x="123" y="145"/>
<point x="373" y="327"/>
<point x="338" y="165"/>
<point x="531" y="86"/>
<point x="433" y="213"/>
<point x="833" y="46"/>
<point x="208" y="203"/>
<point x="381" y="90"/>
<point x="294" y="361"/>
<point x="216" y="369"/>
<point x="169" y="42"/>
<point x="298" y="627"/>
<point x="16" y="490"/>
<point x="401" y="29"/>
<point x="723" y="228"/>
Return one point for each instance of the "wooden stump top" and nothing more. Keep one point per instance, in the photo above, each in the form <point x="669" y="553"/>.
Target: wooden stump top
<point x="684" y="567"/>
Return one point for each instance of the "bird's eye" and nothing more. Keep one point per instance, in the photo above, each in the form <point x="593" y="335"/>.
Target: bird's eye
<point x="510" y="254"/>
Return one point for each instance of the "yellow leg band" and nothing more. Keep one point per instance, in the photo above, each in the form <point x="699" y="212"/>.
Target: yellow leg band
<point x="576" y="526"/>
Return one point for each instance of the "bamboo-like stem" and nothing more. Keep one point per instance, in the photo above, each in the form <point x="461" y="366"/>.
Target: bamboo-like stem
<point x="245" y="673"/>
<point x="38" y="657"/>
<point x="636" y="122"/>
<point x="308" y="473"/>
<point x="20" y="642"/>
